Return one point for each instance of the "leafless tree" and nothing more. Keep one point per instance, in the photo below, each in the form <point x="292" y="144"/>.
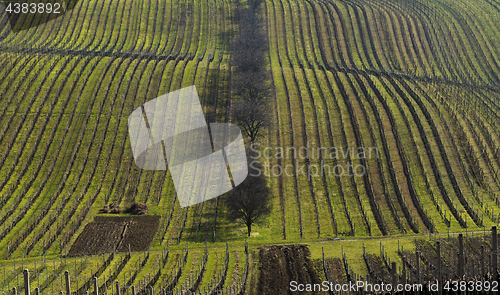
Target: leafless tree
<point x="252" y="86"/>
<point x="254" y="4"/>
<point x="251" y="116"/>
<point x="251" y="78"/>
<point x="248" y="51"/>
<point x="250" y="201"/>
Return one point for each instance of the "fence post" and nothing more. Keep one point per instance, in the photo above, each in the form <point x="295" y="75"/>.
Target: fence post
<point x="26" y="282"/>
<point x="482" y="260"/>
<point x="404" y="273"/>
<point x="14" y="291"/>
<point x="494" y="251"/>
<point x="37" y="291"/>
<point x="460" y="255"/>
<point x="68" y="287"/>
<point x="133" y="290"/>
<point x="96" y="286"/>
<point x="438" y="250"/>
<point x="118" y="291"/>
<point x="418" y="266"/>
<point x="393" y="272"/>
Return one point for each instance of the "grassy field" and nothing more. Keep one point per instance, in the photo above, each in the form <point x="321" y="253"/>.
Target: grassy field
<point x="417" y="80"/>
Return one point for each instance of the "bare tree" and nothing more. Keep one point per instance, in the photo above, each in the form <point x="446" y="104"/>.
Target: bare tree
<point x="248" y="51"/>
<point x="250" y="201"/>
<point x="251" y="116"/>
<point x="252" y="86"/>
<point x="249" y="21"/>
<point x="254" y="4"/>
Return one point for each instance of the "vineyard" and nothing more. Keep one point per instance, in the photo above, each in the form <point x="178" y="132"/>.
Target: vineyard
<point x="415" y="81"/>
<point x="447" y="259"/>
<point x="217" y="271"/>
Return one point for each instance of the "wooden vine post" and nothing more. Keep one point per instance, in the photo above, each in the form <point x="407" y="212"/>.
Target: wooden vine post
<point x="460" y="255"/>
<point x="96" y="286"/>
<point x="494" y="252"/>
<point x="68" y="286"/>
<point x="26" y="282"/>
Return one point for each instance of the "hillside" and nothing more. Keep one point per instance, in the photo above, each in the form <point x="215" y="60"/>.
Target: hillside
<point x="417" y="80"/>
<point x="404" y="94"/>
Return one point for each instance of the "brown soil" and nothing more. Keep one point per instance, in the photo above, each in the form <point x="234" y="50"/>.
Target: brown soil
<point x="279" y="265"/>
<point x="236" y="273"/>
<point x="336" y="269"/>
<point x="379" y="271"/>
<point x="108" y="233"/>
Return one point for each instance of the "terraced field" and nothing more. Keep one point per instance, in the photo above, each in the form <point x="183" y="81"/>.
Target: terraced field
<point x="415" y="82"/>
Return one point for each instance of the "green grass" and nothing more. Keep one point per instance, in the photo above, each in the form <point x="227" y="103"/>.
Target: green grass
<point x="77" y="149"/>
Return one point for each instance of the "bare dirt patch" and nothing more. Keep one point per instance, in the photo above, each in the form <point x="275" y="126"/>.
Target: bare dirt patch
<point x="336" y="270"/>
<point x="377" y="268"/>
<point x="108" y="233"/>
<point x="279" y="265"/>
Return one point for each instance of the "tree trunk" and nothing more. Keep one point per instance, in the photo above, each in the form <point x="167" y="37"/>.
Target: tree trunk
<point x="249" y="227"/>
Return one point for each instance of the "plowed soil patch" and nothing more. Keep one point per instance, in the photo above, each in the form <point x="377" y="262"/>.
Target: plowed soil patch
<point x="279" y="265"/>
<point x="108" y="233"/>
<point x="336" y="269"/>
